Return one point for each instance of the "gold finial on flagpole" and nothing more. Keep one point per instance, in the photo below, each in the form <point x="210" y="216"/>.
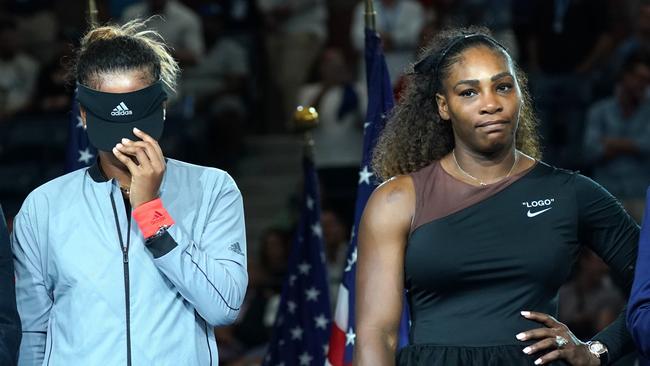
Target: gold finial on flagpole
<point x="306" y="119"/>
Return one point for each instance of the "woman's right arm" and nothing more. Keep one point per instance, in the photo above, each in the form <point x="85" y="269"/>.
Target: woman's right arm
<point x="383" y="234"/>
<point x="33" y="298"/>
<point x="10" y="331"/>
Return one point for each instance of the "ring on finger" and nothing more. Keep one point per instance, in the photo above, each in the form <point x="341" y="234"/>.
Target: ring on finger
<point x="561" y="341"/>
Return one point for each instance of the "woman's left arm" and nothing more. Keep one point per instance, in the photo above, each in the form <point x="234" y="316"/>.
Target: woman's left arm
<point x="611" y="233"/>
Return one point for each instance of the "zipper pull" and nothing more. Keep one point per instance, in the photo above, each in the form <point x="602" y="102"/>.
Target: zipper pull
<point x="125" y="255"/>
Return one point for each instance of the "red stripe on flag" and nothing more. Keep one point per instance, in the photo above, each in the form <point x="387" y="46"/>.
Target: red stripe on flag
<point x="337" y="347"/>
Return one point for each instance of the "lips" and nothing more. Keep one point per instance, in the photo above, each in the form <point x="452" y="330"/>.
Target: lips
<point x="492" y="123"/>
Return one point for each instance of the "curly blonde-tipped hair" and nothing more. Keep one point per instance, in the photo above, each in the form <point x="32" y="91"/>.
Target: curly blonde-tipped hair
<point x="112" y="49"/>
<point x="415" y="135"/>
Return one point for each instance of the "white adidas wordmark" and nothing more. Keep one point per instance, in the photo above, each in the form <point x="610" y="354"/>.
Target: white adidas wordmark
<point x="121" y="110"/>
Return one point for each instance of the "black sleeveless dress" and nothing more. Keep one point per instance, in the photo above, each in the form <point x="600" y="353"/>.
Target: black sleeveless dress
<point x="494" y="251"/>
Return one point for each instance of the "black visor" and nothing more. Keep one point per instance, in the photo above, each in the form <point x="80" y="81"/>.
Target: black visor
<point x="112" y="116"/>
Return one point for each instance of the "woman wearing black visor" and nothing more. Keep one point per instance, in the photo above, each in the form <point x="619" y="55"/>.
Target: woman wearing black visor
<point x="136" y="259"/>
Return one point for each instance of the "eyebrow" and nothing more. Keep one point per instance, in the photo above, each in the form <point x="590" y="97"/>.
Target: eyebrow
<point x="475" y="82"/>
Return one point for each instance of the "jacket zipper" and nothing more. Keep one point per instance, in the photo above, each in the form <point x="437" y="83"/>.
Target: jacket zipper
<point x="127" y="288"/>
<point x="125" y="262"/>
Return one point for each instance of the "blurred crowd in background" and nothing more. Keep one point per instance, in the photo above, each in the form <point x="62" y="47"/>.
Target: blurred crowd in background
<point x="248" y="63"/>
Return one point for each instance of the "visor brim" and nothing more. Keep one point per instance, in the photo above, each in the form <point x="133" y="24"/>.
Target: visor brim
<point x="104" y="135"/>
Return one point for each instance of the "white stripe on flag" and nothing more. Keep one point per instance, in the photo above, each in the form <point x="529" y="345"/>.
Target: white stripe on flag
<point x="341" y="315"/>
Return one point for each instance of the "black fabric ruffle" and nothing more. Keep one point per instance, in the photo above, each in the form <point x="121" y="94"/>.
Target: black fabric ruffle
<point x="438" y="355"/>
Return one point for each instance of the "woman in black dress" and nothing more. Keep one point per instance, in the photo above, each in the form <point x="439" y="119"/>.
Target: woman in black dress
<point x="479" y="232"/>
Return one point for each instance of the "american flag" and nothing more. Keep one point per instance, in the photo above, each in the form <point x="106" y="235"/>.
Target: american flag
<point x="302" y="324"/>
<point x="380" y="102"/>
<point x="79" y="152"/>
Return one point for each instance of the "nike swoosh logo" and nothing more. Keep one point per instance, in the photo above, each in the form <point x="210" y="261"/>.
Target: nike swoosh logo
<point x="533" y="214"/>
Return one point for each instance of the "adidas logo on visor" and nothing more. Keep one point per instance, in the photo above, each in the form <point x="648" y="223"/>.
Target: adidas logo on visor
<point x="121" y="110"/>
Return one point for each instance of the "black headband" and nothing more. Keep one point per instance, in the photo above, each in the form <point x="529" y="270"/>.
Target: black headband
<point x="433" y="61"/>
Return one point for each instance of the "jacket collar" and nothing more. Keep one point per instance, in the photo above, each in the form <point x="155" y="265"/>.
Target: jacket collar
<point x="96" y="173"/>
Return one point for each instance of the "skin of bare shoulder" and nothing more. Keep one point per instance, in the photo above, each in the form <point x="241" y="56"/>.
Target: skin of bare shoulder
<point x="398" y="190"/>
<point x="380" y="270"/>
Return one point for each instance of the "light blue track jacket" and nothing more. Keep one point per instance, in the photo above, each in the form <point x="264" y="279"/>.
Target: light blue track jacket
<point x="83" y="301"/>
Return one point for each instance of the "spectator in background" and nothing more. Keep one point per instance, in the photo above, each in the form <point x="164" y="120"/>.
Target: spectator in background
<point x="241" y="15"/>
<point x="53" y="92"/>
<point x="494" y="14"/>
<point x="217" y="85"/>
<point x="38" y="26"/>
<point x="335" y="238"/>
<point x="399" y="22"/>
<point x="72" y="16"/>
<point x="10" y="332"/>
<point x="617" y="136"/>
<point x="180" y="26"/>
<point x="295" y="34"/>
<point x="18" y="71"/>
<point x="338" y="139"/>
<point x="640" y="39"/>
<point x="630" y="32"/>
<point x="568" y="38"/>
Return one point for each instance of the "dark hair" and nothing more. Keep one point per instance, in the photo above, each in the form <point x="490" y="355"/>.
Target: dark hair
<point x="415" y="135"/>
<point x="116" y="49"/>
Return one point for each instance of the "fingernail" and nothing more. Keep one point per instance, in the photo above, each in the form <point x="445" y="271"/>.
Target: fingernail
<point x="119" y="146"/>
<point x="135" y="129"/>
<point x="525" y="313"/>
<point x="521" y="336"/>
<point x="538" y="361"/>
<point x="114" y="150"/>
<point x="124" y="141"/>
<point x="527" y="350"/>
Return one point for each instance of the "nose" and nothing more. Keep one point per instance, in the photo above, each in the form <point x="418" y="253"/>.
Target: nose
<point x="490" y="104"/>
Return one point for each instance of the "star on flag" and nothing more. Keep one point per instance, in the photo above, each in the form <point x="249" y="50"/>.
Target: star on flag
<point x="85" y="156"/>
<point x="364" y="175"/>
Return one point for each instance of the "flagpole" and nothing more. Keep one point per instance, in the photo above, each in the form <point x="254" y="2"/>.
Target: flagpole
<point x="370" y="15"/>
<point x="306" y="273"/>
<point x="92" y="13"/>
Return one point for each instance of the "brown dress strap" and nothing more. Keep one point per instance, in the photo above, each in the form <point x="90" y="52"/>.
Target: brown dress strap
<point x="439" y="194"/>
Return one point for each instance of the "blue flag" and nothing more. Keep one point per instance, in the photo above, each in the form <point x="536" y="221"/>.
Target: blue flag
<point x="302" y="325"/>
<point x="380" y="102"/>
<point x="79" y="152"/>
